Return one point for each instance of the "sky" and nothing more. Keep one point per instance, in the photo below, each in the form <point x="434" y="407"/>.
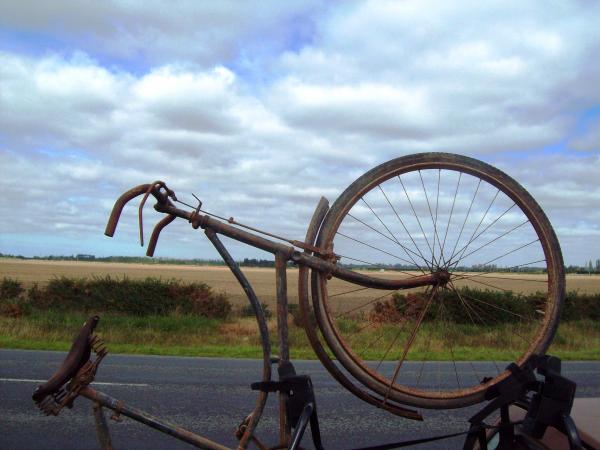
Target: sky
<point x="260" y="108"/>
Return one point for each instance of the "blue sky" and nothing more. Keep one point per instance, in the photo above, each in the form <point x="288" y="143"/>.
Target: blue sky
<point x="261" y="108"/>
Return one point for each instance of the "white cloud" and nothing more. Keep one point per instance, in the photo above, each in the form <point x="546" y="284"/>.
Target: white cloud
<point x="505" y="73"/>
<point x="260" y="115"/>
<point x="200" y="33"/>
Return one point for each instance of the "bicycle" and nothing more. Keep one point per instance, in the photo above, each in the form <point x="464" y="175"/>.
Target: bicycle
<point x="423" y="229"/>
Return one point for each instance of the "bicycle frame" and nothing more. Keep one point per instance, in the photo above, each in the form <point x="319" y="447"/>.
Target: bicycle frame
<point x="315" y="256"/>
<point x="316" y="259"/>
<point x="323" y="260"/>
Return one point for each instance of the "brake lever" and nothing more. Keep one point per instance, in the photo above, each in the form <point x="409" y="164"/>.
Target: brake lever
<point x="156" y="185"/>
<point x="156" y="233"/>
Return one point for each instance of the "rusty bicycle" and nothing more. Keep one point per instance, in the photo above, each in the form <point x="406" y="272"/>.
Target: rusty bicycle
<point x="425" y="255"/>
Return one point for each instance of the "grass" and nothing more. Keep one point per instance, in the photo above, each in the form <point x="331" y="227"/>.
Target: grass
<point x="182" y="335"/>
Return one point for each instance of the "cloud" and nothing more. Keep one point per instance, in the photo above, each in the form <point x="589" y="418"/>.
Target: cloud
<point x="260" y="110"/>
<point x="461" y="77"/>
<point x="154" y="32"/>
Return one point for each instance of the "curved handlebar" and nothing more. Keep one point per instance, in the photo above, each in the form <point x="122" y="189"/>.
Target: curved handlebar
<point x="132" y="193"/>
<point x="146" y="189"/>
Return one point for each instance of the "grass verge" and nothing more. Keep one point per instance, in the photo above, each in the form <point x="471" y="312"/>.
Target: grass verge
<point x="187" y="335"/>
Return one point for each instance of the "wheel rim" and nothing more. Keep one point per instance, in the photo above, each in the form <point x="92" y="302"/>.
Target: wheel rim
<point x="428" y="213"/>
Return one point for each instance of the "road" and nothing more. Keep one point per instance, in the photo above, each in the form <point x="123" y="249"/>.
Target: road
<point x="209" y="396"/>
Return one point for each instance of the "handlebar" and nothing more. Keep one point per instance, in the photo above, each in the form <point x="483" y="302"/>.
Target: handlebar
<point x="156" y="189"/>
<point x="164" y="205"/>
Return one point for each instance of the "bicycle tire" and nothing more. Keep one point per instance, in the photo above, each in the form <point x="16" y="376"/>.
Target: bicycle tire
<point x="541" y="324"/>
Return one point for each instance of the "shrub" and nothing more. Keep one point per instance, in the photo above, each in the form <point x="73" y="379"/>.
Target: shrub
<point x="208" y="304"/>
<point x="294" y="310"/>
<point x="387" y="311"/>
<point x="152" y="296"/>
<point x="491" y="306"/>
<point x="248" y="311"/>
<point x="12" y="301"/>
<point x="581" y="306"/>
<point x="10" y="289"/>
<point x="10" y="308"/>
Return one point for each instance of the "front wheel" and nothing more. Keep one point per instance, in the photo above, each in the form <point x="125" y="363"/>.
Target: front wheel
<point x="423" y="214"/>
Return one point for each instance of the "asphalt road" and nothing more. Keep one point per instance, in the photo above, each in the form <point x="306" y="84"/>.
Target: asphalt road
<point x="210" y="397"/>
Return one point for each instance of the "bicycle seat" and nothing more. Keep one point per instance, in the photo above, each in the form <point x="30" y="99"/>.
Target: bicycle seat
<point x="78" y="355"/>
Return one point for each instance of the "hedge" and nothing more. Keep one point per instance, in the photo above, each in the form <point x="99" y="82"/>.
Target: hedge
<point x="151" y="296"/>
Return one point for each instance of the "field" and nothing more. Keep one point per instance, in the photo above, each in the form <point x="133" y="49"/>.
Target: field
<point x="221" y="279"/>
<point x="186" y="335"/>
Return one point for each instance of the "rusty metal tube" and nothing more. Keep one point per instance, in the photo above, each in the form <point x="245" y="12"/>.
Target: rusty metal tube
<point x="262" y="327"/>
<point x="156" y="233"/>
<point x="132" y="193"/>
<point x="365" y="280"/>
<point x="117" y="405"/>
<point x="282" y="332"/>
<point x="102" y="428"/>
<point x="314" y="262"/>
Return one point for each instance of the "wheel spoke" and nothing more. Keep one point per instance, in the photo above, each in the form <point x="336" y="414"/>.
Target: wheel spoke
<point x="405" y="229"/>
<point x="477" y="314"/>
<point x="510" y="252"/>
<point x="478" y="300"/>
<point x="394" y="240"/>
<point x="450" y="344"/>
<point x="370" y="302"/>
<point x="390" y="347"/>
<point x="465" y="221"/>
<point x="493" y="240"/>
<point x="373" y="247"/>
<point x="410" y="341"/>
<point x="467" y="308"/>
<point x="371" y="323"/>
<point x="435" y="262"/>
<point x="393" y="236"/>
<point x="349" y="292"/>
<point x="416" y="217"/>
<point x="464" y="249"/>
<point x="501" y="278"/>
<point x="489" y="314"/>
<point x="458" y="277"/>
<point x="450" y="217"/>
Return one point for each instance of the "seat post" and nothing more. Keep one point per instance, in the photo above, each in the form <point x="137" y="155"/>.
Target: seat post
<point x="283" y="335"/>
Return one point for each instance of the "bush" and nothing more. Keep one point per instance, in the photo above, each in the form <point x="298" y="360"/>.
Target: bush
<point x="10" y="289"/>
<point x="581" y="306"/>
<point x="507" y="307"/>
<point x="248" y="311"/>
<point x="152" y="296"/>
<point x="294" y="310"/>
<point x="12" y="301"/>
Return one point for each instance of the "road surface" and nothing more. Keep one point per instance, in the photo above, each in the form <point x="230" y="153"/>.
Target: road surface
<point x="209" y="396"/>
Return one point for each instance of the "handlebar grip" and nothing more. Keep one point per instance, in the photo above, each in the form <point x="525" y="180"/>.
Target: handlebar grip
<point x="111" y="226"/>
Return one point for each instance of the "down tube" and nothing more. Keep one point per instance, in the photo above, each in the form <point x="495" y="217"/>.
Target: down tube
<point x="262" y="326"/>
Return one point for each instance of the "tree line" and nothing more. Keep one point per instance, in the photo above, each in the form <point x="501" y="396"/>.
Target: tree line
<point x="592" y="267"/>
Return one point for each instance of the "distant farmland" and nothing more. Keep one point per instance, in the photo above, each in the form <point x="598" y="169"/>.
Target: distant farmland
<point x="220" y="278"/>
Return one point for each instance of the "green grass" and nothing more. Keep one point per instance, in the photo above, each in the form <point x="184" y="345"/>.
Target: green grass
<point x="186" y="335"/>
